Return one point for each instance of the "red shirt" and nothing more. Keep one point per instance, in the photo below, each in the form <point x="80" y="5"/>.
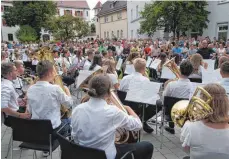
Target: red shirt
<point x="147" y="50"/>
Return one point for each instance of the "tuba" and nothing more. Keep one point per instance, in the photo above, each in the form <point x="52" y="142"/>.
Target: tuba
<point x="46" y="54"/>
<point x="173" y="67"/>
<point x="194" y="110"/>
<point x="122" y="135"/>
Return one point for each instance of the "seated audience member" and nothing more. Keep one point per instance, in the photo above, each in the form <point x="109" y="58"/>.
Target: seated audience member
<point x="204" y="51"/>
<point x="45" y="99"/>
<point x="224" y="71"/>
<point x="208" y="138"/>
<point x="9" y="96"/>
<point x="108" y="119"/>
<point x="197" y="64"/>
<point x="111" y="72"/>
<point x="86" y="63"/>
<point x="181" y="88"/>
<point x="96" y="63"/>
<point x="138" y="76"/>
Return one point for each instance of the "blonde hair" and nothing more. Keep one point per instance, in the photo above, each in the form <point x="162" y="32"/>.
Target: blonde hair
<point x="219" y="103"/>
<point x="110" y="64"/>
<point x="196" y="60"/>
<point x="133" y="56"/>
<point x="139" y="64"/>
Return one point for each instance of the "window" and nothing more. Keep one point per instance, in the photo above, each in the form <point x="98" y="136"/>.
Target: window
<point x="4" y="22"/>
<point x="97" y="19"/>
<point x="105" y="19"/>
<point x="10" y="37"/>
<point x="137" y="33"/>
<point x="137" y="11"/>
<point x="117" y="33"/>
<point x="112" y="5"/>
<point x="67" y="12"/>
<point x="112" y="18"/>
<point x="77" y="13"/>
<point x="121" y="34"/>
<point x="104" y="34"/>
<point x="87" y="13"/>
<point x="119" y="15"/>
<point x="6" y="8"/>
<point x="108" y="35"/>
<point x="222" y="31"/>
<point x="132" y="34"/>
<point x="131" y="14"/>
<point x="112" y="34"/>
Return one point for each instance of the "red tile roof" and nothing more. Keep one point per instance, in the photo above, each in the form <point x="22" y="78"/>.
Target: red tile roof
<point x="98" y="5"/>
<point x="73" y="4"/>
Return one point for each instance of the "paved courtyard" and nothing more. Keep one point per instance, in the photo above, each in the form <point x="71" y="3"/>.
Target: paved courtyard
<point x="171" y="146"/>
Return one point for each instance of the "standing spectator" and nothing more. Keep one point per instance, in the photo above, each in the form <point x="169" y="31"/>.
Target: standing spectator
<point x="205" y="52"/>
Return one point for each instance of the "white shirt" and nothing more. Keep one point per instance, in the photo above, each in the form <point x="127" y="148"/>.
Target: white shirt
<point x="67" y="62"/>
<point x="225" y="83"/>
<point x="94" y="124"/>
<point x="97" y="67"/>
<point x="136" y="76"/>
<point x="8" y="95"/>
<point x="204" y="140"/>
<point x="119" y="50"/>
<point x="113" y="78"/>
<point x="85" y="64"/>
<point x="182" y="88"/>
<point x="44" y="102"/>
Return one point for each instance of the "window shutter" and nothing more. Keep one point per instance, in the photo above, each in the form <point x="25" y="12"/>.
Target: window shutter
<point x="71" y="12"/>
<point x="81" y="13"/>
<point x="2" y="9"/>
<point x="75" y="13"/>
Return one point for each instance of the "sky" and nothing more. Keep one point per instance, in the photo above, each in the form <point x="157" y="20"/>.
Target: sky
<point x="92" y="4"/>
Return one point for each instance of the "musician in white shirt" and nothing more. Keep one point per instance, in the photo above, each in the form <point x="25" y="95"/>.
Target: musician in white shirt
<point x="95" y="122"/>
<point x="138" y="76"/>
<point x="45" y="99"/>
<point x="224" y="71"/>
<point x="9" y="103"/>
<point x="181" y="88"/>
<point x="86" y="63"/>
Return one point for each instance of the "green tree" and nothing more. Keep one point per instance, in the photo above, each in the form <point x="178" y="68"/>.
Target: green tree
<point x="26" y="34"/>
<point x="93" y="28"/>
<point x="174" y="16"/>
<point x="33" y="13"/>
<point x="67" y="27"/>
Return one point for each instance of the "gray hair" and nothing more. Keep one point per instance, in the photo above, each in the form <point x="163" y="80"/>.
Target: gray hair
<point x="6" y="68"/>
<point x="43" y="67"/>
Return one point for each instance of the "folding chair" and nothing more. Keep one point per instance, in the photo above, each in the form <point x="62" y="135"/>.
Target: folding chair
<point x="166" y="110"/>
<point x="34" y="133"/>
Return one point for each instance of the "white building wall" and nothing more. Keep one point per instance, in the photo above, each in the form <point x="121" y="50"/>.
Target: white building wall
<point x="134" y="19"/>
<point x="5" y="30"/>
<point x="219" y="16"/>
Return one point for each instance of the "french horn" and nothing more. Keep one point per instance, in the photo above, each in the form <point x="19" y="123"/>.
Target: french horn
<point x="173" y="67"/>
<point x="194" y="110"/>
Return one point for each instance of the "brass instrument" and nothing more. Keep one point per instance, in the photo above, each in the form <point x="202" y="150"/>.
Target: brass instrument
<point x="173" y="67"/>
<point x="46" y="54"/>
<point x="122" y="135"/>
<point x="193" y="110"/>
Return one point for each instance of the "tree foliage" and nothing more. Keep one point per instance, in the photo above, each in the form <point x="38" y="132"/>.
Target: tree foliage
<point x="26" y="34"/>
<point x="33" y="13"/>
<point x="93" y="28"/>
<point x="174" y="16"/>
<point x="67" y="27"/>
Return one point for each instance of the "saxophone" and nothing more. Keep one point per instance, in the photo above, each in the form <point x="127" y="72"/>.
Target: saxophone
<point x="45" y="53"/>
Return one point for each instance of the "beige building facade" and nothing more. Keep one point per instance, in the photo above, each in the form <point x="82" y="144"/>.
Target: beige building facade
<point x="111" y="20"/>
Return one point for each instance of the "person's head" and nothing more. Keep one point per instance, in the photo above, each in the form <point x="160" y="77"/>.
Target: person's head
<point x="20" y="67"/>
<point x="110" y="65"/>
<point x="223" y="59"/>
<point x="105" y="54"/>
<point x="196" y="60"/>
<point x="110" y="53"/>
<point x="9" y="71"/>
<point x="66" y="53"/>
<point x="56" y="53"/>
<point x="100" y="86"/>
<point x="3" y="55"/>
<point x="204" y="43"/>
<point x="219" y="103"/>
<point x="90" y="54"/>
<point x="133" y="56"/>
<point x="163" y="57"/>
<point x="147" y="45"/>
<point x="191" y="46"/>
<point x="78" y="53"/>
<point x="224" y="69"/>
<point x="186" y="68"/>
<point x="45" y="71"/>
<point x="140" y="65"/>
<point x="97" y="60"/>
<point x="221" y="46"/>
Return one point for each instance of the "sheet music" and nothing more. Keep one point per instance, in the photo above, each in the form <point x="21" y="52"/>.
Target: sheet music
<point x="119" y="64"/>
<point x="143" y="92"/>
<point x="129" y="69"/>
<point x="148" y="62"/>
<point x="83" y="74"/>
<point x="166" y="73"/>
<point x="194" y="85"/>
<point x="211" y="76"/>
<point x="155" y="63"/>
<point x="211" y="64"/>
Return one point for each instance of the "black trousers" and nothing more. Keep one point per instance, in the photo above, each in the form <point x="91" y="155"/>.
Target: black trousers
<point x="141" y="150"/>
